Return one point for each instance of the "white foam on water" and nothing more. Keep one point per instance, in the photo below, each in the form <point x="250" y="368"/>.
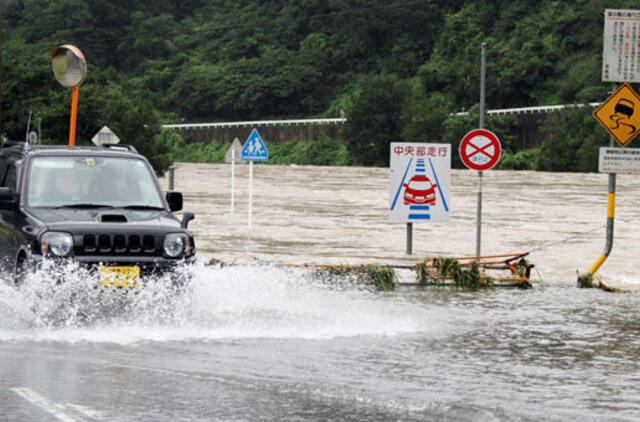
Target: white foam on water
<point x="218" y="303"/>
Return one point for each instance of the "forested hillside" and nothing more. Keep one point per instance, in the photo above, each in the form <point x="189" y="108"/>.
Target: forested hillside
<point x="397" y="68"/>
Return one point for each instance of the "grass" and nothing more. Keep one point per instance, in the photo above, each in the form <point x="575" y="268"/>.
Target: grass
<point x="468" y="277"/>
<point x="380" y="277"/>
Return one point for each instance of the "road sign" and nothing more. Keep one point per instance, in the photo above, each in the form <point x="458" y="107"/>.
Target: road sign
<point x="254" y="149"/>
<point x="480" y="149"/>
<point x="105" y="136"/>
<point x="234" y="152"/>
<point x="617" y="160"/>
<point x="420" y="182"/>
<point x="620" y="114"/>
<point x="620" y="52"/>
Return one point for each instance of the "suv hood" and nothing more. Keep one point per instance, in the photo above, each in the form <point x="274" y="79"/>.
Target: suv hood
<point x="103" y="216"/>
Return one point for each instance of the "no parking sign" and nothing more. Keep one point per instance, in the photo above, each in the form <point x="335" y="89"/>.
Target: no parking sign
<point x="480" y="149"/>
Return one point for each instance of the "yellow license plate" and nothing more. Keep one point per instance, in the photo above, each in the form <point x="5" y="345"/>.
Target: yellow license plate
<point x="120" y="276"/>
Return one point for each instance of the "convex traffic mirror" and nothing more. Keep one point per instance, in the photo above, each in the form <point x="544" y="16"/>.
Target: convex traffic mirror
<point x="69" y="65"/>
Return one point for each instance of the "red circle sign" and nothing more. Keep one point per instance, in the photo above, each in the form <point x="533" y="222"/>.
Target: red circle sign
<point x="480" y="149"/>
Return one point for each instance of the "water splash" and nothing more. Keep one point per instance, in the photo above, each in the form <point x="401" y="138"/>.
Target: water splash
<point x="218" y="303"/>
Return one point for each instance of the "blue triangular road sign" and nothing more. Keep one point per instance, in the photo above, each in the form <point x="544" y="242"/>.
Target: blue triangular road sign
<point x="255" y="149"/>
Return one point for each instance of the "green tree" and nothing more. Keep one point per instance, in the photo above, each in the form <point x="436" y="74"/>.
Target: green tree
<point x="573" y="141"/>
<point x="375" y="119"/>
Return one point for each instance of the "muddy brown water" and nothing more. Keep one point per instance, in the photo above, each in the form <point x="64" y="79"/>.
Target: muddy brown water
<point x="257" y="341"/>
<point x="339" y="215"/>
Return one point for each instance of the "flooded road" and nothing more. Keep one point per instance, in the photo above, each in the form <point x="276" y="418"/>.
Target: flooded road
<point x="340" y="216"/>
<point x="256" y="341"/>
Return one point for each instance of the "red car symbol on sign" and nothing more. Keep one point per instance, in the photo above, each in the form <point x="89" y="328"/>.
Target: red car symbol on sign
<point x="419" y="190"/>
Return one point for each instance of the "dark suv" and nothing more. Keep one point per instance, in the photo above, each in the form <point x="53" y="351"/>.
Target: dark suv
<point x="99" y="206"/>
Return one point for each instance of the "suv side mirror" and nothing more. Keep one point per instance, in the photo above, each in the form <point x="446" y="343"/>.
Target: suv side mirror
<point x="6" y="199"/>
<point x="175" y="200"/>
<point x="186" y="217"/>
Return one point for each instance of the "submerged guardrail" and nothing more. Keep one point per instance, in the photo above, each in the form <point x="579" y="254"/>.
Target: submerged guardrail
<point x="472" y="272"/>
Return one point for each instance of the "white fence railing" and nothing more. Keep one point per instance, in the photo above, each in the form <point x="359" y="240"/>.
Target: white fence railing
<point x="530" y="110"/>
<point x="342" y="120"/>
<point x="338" y="120"/>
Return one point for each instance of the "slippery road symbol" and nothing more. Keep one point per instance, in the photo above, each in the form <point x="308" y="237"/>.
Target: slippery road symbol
<point x="623" y="112"/>
<point x="619" y="114"/>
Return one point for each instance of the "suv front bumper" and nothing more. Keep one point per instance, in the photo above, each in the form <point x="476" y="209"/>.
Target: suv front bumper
<point x="149" y="266"/>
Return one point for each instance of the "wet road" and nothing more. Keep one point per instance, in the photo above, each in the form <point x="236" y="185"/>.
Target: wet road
<point x="261" y="342"/>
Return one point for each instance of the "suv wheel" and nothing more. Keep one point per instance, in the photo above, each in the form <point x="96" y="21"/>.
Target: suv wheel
<point x="21" y="271"/>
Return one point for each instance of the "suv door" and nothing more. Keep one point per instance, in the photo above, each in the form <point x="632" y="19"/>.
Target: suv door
<point x="8" y="235"/>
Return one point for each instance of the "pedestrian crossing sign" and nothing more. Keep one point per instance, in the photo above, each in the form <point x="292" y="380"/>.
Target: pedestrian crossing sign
<point x="254" y="149"/>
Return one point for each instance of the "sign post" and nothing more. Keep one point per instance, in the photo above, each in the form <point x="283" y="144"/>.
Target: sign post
<point x="619" y="113"/>
<point x="234" y="151"/>
<point x="420" y="184"/>
<point x="480" y="150"/>
<point x="483" y="82"/>
<point x="253" y="150"/>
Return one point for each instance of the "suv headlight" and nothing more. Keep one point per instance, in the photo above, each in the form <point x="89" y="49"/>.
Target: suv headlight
<point x="56" y="243"/>
<point x="176" y="245"/>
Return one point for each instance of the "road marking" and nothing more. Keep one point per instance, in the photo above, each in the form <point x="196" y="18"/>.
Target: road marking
<point x="87" y="411"/>
<point x="401" y="184"/>
<point x="444" y="201"/>
<point x="55" y="409"/>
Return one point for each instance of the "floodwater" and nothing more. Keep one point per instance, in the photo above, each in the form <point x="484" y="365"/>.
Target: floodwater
<point x="256" y="340"/>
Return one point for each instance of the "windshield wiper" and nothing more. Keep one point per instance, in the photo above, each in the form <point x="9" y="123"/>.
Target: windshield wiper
<point x="84" y="205"/>
<point x="142" y="207"/>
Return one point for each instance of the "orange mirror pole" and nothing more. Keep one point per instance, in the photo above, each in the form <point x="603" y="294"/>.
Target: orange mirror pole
<point x="74" y="115"/>
<point x="70" y="69"/>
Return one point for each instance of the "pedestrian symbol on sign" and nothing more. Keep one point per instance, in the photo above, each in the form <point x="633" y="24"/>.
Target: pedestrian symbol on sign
<point x="255" y="149"/>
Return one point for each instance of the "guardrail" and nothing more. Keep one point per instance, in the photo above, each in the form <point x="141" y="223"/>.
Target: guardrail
<point x="338" y="120"/>
<point x="530" y="110"/>
<point x="342" y="120"/>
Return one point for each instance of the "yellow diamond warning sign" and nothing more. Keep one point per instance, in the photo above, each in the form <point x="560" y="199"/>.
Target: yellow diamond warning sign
<point x="620" y="114"/>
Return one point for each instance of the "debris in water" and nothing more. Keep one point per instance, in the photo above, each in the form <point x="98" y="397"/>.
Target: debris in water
<point x="472" y="271"/>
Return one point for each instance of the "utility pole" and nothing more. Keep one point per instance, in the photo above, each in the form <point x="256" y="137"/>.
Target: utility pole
<point x="1" y="125"/>
<point x="483" y="77"/>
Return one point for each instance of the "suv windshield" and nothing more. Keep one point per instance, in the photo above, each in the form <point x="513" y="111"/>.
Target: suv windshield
<point x="91" y="181"/>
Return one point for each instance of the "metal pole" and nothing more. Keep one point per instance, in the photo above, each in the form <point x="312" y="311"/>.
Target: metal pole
<point x="483" y="76"/>
<point x="1" y="125"/>
<point x="172" y="171"/>
<point x="479" y="217"/>
<point x="74" y="114"/>
<point x="233" y="166"/>
<point x="250" y="192"/>
<point x="409" y="238"/>
<point x="587" y="279"/>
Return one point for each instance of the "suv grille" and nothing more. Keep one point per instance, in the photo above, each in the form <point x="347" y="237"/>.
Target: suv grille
<point x="118" y="244"/>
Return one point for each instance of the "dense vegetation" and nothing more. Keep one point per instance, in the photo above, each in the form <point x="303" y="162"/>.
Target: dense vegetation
<point x="398" y="68"/>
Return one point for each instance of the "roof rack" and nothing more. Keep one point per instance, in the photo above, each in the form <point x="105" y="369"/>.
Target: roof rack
<point x="121" y="147"/>
<point x="22" y="145"/>
<point x="25" y="146"/>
